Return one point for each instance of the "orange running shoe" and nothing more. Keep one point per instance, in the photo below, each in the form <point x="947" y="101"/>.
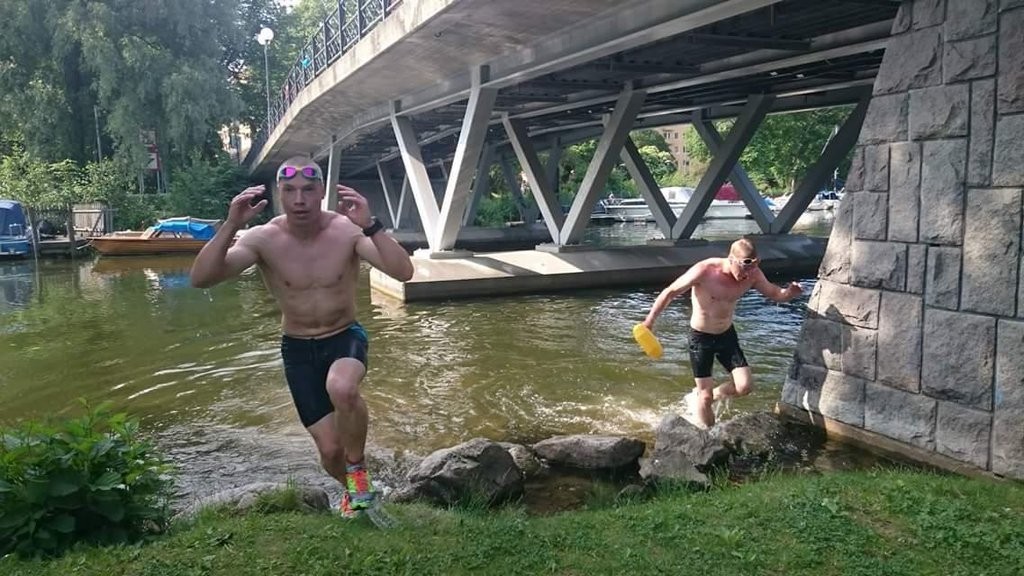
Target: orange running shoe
<point x="346" y="506"/>
<point x="359" y="489"/>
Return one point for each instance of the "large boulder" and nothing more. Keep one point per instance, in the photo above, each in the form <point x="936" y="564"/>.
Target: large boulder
<point x="244" y="498"/>
<point x="683" y="452"/>
<point x="760" y="434"/>
<point x="478" y="470"/>
<point x="524" y="457"/>
<point x="588" y="452"/>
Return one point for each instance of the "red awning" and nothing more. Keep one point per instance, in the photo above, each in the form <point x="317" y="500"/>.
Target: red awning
<point x="727" y="192"/>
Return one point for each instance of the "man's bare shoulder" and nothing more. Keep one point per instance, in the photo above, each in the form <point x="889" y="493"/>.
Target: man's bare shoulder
<point x="708" y="265"/>
<point x="341" y="223"/>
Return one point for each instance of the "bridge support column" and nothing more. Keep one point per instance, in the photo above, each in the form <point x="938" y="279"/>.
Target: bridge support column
<point x="608" y="148"/>
<point x="466" y="162"/>
<point x="836" y="149"/>
<point x="721" y="165"/>
<point x="748" y="192"/>
<point x="540" y="183"/>
<point x="415" y="170"/>
<point x="649" y="189"/>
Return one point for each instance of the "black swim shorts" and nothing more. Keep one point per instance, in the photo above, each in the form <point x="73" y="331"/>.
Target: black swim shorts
<point x="307" y="362"/>
<point x="705" y="347"/>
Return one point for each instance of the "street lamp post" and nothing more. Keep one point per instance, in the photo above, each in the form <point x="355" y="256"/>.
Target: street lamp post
<point x="264" y="38"/>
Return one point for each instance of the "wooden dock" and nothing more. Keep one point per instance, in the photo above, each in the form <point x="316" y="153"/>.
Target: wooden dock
<point x="63" y="247"/>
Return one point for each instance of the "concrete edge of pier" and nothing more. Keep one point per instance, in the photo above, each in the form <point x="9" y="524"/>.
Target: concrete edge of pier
<point x="549" y="269"/>
<point x="878" y="444"/>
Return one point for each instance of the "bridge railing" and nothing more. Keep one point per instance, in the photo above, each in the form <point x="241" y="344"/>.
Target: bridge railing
<point x="337" y="34"/>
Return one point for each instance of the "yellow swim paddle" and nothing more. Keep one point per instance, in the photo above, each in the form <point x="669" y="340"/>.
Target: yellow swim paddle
<point x="647" y="340"/>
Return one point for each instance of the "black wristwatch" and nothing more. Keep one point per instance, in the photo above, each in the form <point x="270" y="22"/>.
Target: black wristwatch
<point x="372" y="229"/>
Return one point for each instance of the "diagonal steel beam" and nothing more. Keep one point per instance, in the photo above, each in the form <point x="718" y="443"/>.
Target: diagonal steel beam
<point x="514" y="187"/>
<point x="605" y="156"/>
<point x="723" y="162"/>
<point x="554" y="159"/>
<point x="748" y="192"/>
<point x="330" y="201"/>
<point x="416" y="171"/>
<point x="388" y="187"/>
<point x="836" y="149"/>
<point x="404" y="204"/>
<point x="467" y="159"/>
<point x="649" y="189"/>
<point x="481" y="185"/>
<point x="543" y="194"/>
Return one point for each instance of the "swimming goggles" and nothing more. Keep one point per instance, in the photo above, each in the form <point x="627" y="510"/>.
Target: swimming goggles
<point x="308" y="172"/>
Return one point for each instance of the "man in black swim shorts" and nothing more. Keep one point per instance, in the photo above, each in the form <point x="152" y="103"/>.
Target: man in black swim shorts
<point x="309" y="259"/>
<point x="718" y="283"/>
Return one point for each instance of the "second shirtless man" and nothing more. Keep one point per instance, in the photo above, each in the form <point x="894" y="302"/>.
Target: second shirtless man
<point x="309" y="259"/>
<point x="717" y="284"/>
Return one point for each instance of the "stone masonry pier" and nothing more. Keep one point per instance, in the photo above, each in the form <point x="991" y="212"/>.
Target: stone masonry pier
<point x="914" y="337"/>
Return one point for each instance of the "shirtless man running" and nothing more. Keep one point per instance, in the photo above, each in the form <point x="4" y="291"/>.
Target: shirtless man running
<point x="718" y="283"/>
<point x="309" y="259"/>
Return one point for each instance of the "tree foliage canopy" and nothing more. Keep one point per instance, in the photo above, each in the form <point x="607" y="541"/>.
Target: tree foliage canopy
<point x="782" y="149"/>
<point x="181" y="69"/>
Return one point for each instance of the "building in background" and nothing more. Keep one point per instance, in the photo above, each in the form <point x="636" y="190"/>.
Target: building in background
<point x="236" y="139"/>
<point x="674" y="137"/>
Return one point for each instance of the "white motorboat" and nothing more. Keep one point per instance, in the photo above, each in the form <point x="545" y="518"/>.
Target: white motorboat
<point x="637" y="210"/>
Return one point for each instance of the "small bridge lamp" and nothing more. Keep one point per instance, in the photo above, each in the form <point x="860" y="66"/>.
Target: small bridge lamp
<point x="264" y="38"/>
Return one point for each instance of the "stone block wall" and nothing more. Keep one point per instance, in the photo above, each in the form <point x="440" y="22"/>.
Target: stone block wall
<point x="915" y="330"/>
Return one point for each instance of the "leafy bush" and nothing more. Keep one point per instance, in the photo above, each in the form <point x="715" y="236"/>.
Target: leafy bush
<point x="204" y="188"/>
<point x="88" y="479"/>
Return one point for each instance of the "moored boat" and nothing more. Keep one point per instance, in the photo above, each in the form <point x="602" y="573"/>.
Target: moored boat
<point x="168" y="236"/>
<point x="14" y="234"/>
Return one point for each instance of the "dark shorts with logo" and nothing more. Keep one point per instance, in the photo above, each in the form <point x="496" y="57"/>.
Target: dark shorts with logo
<point x="307" y="362"/>
<point x="705" y="347"/>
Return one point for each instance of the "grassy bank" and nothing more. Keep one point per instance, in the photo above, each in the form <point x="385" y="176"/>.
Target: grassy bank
<point x="884" y="522"/>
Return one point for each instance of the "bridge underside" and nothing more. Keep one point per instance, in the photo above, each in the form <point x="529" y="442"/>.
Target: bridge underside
<point x="591" y="69"/>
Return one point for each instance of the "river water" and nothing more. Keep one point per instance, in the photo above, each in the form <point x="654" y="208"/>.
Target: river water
<point x="201" y="369"/>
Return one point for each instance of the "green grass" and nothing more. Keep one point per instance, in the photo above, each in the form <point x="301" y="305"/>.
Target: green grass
<point x="864" y="523"/>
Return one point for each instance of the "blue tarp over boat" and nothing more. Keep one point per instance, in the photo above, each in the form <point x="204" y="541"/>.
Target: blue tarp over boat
<point x="12" y="219"/>
<point x="197" y="228"/>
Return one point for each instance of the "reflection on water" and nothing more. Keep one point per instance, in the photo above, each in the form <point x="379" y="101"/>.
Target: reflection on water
<point x="202" y="368"/>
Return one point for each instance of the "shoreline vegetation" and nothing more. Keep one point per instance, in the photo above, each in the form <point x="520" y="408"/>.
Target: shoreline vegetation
<point x="881" y="521"/>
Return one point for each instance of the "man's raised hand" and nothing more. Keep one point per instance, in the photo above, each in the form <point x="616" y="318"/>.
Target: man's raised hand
<point x="242" y="209"/>
<point x="353" y="205"/>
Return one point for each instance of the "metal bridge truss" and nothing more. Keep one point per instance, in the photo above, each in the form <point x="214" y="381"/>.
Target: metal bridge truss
<point x="814" y="53"/>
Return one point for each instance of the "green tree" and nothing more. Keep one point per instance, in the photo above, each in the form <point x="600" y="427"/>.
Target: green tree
<point x="180" y="69"/>
<point x="648" y="137"/>
<point x="45" y="91"/>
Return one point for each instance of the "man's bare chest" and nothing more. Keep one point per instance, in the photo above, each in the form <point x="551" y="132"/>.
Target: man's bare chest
<point x="723" y="290"/>
<point x="311" y="266"/>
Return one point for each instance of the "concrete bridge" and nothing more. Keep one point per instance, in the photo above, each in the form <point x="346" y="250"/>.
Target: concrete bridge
<point x="911" y="341"/>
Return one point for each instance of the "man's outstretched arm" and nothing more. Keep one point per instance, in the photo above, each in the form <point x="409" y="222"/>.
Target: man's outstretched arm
<point x="773" y="292"/>
<point x="218" y="260"/>
<point x="385" y="254"/>
<point x="681" y="286"/>
<point x="381" y="250"/>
